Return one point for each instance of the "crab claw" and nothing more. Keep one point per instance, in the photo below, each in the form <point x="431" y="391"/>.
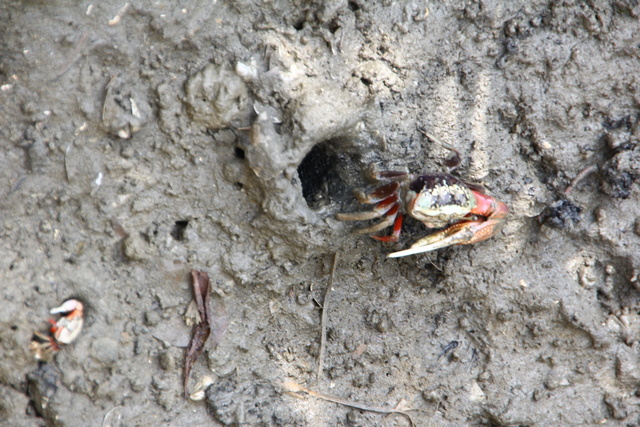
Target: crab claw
<point x="68" y="327"/>
<point x="68" y="306"/>
<point x="463" y="233"/>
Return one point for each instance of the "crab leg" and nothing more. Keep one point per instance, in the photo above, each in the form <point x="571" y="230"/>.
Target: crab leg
<point x="388" y="204"/>
<point x="381" y="209"/>
<point x="377" y="175"/>
<point x="395" y="235"/>
<point x="378" y="195"/>
<point x="49" y="342"/>
<point x="389" y="219"/>
<point x="386" y="198"/>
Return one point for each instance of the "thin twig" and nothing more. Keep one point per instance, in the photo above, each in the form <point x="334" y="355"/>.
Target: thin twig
<point x="436" y="266"/>
<point x="586" y="171"/>
<point x="295" y="388"/>
<point x="66" y="162"/>
<point x="116" y="19"/>
<point x="452" y="162"/>
<point x="323" y="322"/>
<point x="73" y="56"/>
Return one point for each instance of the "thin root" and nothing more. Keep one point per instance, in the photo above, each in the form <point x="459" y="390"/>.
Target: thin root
<point x="453" y="161"/>
<point x="294" y="389"/>
<point x="582" y="175"/>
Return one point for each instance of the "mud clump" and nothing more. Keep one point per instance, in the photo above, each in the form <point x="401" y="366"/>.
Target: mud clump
<point x="620" y="173"/>
<point x="248" y="403"/>
<point x="215" y="97"/>
<point x="560" y="214"/>
<point x="124" y="110"/>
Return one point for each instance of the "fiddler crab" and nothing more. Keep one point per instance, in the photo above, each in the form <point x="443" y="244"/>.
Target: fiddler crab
<point x="63" y="331"/>
<point x="464" y="212"/>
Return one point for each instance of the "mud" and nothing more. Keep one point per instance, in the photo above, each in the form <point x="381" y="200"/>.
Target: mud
<point x="142" y="140"/>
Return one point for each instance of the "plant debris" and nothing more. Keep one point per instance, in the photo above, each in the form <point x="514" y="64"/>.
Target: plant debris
<point x="201" y="330"/>
<point x="295" y="389"/>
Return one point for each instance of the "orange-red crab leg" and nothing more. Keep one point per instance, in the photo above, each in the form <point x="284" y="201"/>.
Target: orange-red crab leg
<point x="397" y="228"/>
<point x="378" y="195"/>
<point x="462" y="233"/>
<point x="49" y="343"/>
<point x="387" y="204"/>
<point x="389" y="208"/>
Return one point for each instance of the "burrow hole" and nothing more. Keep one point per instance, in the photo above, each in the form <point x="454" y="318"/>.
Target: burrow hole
<point x="319" y="177"/>
<point x="179" y="228"/>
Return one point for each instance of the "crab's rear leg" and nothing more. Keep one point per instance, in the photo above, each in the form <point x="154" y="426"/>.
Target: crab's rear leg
<point x="385" y="197"/>
<point x="397" y="227"/>
<point x="49" y="343"/>
<point x="378" y="195"/>
<point x="392" y="217"/>
<point x="378" y="175"/>
<point x="387" y="204"/>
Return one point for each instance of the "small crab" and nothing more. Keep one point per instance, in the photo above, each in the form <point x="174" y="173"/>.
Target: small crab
<point x="464" y="212"/>
<point x="63" y="331"/>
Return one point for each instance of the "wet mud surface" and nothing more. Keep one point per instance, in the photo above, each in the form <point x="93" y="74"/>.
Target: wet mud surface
<point x="142" y="140"/>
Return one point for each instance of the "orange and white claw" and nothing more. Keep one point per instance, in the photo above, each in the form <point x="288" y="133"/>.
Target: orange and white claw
<point x="71" y="307"/>
<point x="68" y="327"/>
<point x="464" y="233"/>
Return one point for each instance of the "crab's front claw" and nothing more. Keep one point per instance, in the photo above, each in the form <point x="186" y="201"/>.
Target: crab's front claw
<point x="68" y="327"/>
<point x="464" y="233"/>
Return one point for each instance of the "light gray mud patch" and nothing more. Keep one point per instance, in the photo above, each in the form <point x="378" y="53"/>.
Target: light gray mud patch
<point x="143" y="139"/>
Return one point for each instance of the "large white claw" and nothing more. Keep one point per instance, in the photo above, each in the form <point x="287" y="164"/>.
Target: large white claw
<point x="410" y="251"/>
<point x="68" y="327"/>
<point x="417" y="249"/>
<point x="67" y="307"/>
<point x="454" y="235"/>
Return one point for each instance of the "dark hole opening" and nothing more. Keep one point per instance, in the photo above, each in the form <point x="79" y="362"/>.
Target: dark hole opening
<point x="334" y="26"/>
<point x="299" y="25"/>
<point x="178" y="229"/>
<point x="318" y="174"/>
<point x="239" y="152"/>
